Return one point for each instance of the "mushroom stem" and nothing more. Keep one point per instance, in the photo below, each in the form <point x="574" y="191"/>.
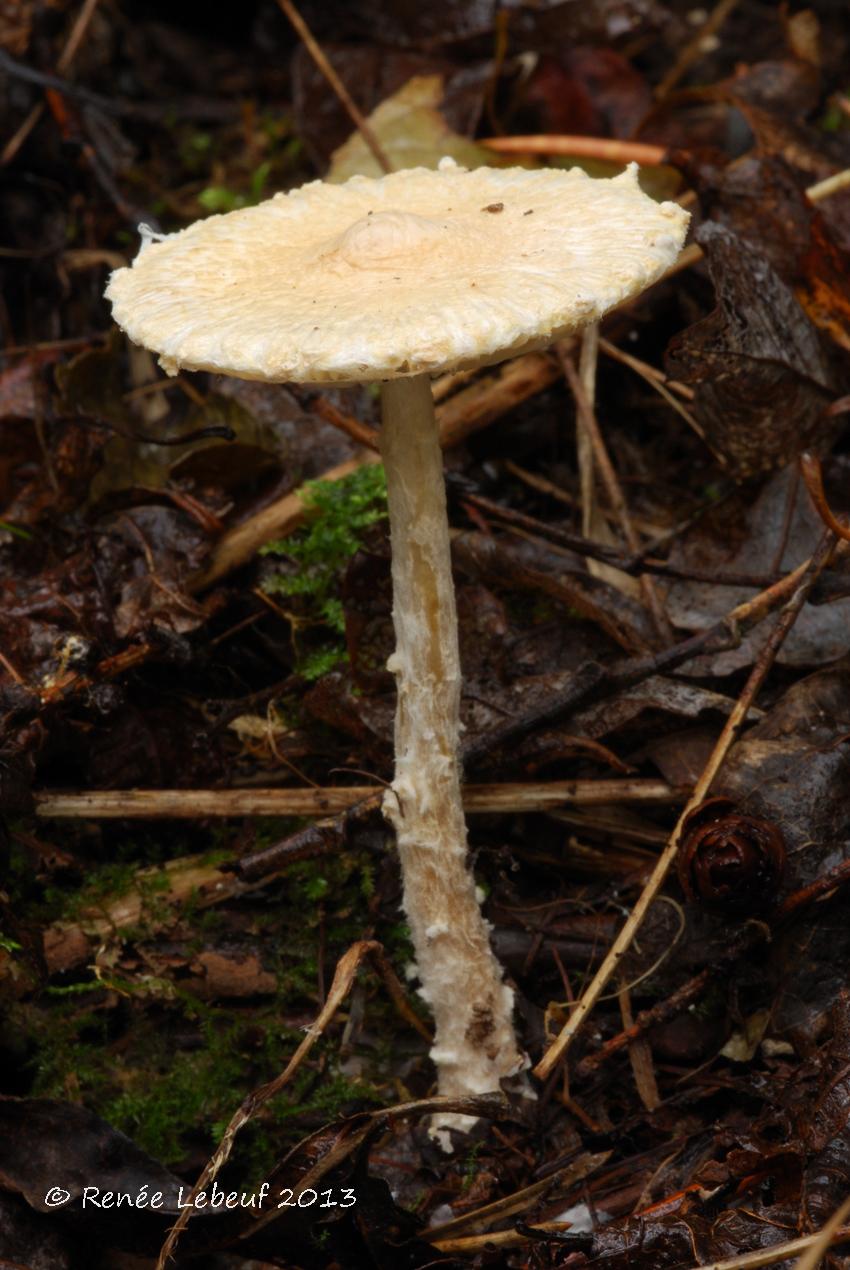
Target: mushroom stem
<point x="475" y="1045"/>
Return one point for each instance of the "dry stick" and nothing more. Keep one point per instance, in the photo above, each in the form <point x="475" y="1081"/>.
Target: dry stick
<point x="811" y="1258"/>
<point x="347" y="967"/>
<point x="631" y="563"/>
<point x="625" y="563"/>
<point x="357" y="117"/>
<point x="487" y="399"/>
<point x="170" y="804"/>
<point x="581" y="148"/>
<point x="810" y="466"/>
<point x="695" y="48"/>
<point x="65" y="59"/>
<point x="778" y="1252"/>
<point x="504" y="1238"/>
<point x="518" y="1202"/>
<point x="656" y="381"/>
<point x="828" y="186"/>
<point x="594" y="527"/>
<point x="646" y="369"/>
<point x="730" y="731"/>
<point x="360" y="432"/>
<point x="588" y="422"/>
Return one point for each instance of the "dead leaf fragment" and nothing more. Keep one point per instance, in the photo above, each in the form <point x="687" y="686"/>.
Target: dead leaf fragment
<point x="759" y="371"/>
<point x="231" y="975"/>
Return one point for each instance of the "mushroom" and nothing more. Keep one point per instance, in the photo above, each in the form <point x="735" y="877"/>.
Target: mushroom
<point x="394" y="280"/>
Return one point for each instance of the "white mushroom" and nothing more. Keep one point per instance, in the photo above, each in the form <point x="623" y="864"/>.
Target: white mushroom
<point x="396" y="279"/>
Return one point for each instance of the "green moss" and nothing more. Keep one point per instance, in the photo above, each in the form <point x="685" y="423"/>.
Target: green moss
<point x="168" y="1068"/>
<point x="219" y="198"/>
<point x="163" y="1095"/>
<point x="317" y="555"/>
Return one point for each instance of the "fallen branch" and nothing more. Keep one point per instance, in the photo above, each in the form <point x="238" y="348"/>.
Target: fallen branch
<point x="191" y="804"/>
<point x="356" y="116"/>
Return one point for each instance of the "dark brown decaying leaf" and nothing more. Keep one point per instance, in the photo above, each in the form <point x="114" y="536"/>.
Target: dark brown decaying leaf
<point x="761" y="199"/>
<point x="69" y="1149"/>
<point x="757" y="365"/>
<point x="26" y="1239"/>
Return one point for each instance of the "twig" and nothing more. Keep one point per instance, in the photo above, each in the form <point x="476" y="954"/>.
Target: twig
<point x="581" y="148"/>
<point x="828" y="186"/>
<point x="584" y="444"/>
<point x="777" y="1252"/>
<point x="193" y="804"/>
<point x="354" y="428"/>
<point x="588" y="421"/>
<point x="355" y="114"/>
<point x="486" y="399"/>
<point x="66" y="57"/>
<point x="626" y="563"/>
<point x="547" y="1230"/>
<point x="695" y="47"/>
<point x="655" y="380"/>
<point x="811" y="1258"/>
<point x="810" y="467"/>
<point x="729" y="733"/>
<point x="75" y="39"/>
<point x="649" y="371"/>
<point x="519" y="1202"/>
<point x="9" y="667"/>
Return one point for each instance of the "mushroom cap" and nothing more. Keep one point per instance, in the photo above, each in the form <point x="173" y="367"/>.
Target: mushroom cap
<point x="415" y="272"/>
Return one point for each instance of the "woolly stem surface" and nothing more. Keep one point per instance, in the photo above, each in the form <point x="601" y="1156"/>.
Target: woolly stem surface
<point x="460" y="979"/>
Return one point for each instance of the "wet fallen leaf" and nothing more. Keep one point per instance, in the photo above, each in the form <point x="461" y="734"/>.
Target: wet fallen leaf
<point x="757" y="365"/>
<point x="411" y="131"/>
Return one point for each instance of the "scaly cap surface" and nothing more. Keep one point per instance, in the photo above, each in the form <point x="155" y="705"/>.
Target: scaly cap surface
<point x="418" y="271"/>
